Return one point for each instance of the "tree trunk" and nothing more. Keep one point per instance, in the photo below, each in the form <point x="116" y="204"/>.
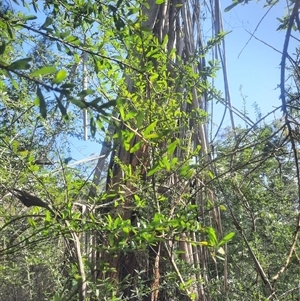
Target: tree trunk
<point x="180" y="21"/>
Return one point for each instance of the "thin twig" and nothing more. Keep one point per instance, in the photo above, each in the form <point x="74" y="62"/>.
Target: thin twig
<point x="252" y="34"/>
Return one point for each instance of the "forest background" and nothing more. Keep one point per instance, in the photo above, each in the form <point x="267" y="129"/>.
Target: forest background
<point x="192" y="197"/>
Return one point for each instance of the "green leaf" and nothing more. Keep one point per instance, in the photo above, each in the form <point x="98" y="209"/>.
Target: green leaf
<point x="153" y="170"/>
<point x="68" y="160"/>
<point x="145" y="28"/>
<point x="60" y="76"/>
<point x="152" y="52"/>
<point x="62" y="109"/>
<point x="231" y="6"/>
<point x="186" y="171"/>
<point x="222" y="208"/>
<point x="122" y="112"/>
<point x="105" y="105"/>
<point x="160" y="1"/>
<point x="58" y="47"/>
<point x="67" y="86"/>
<point x="86" y="92"/>
<point x="150" y="128"/>
<point x="31" y="222"/>
<point x="72" y="39"/>
<point x="47" y="23"/>
<point x="31" y="17"/>
<point x="2" y="48"/>
<point x="152" y="136"/>
<point x="94" y="102"/>
<point x="226" y="238"/>
<point x="10" y="32"/>
<point x="126" y="230"/>
<point x="47" y="217"/>
<point x="153" y="77"/>
<point x="210" y="174"/>
<point x="166" y="163"/>
<point x="171" y="147"/>
<point x="157" y="219"/>
<point x="213" y="241"/>
<point x="22" y="64"/>
<point x="96" y="67"/>
<point x="93" y="126"/>
<point x="140" y="117"/>
<point x="34" y="6"/>
<point x="68" y="50"/>
<point x="165" y="41"/>
<point x="15" y="84"/>
<point x="65" y="34"/>
<point x="136" y="147"/>
<point x="42" y="103"/>
<point x="43" y="71"/>
<point x="77" y="102"/>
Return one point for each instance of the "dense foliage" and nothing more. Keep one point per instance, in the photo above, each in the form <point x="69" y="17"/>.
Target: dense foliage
<point x="166" y="214"/>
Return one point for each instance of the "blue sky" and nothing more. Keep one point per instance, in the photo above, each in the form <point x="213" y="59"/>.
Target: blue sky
<point x="256" y="68"/>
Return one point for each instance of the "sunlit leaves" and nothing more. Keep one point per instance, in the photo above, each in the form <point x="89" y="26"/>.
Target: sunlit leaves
<point x="48" y="217"/>
<point x="172" y="146"/>
<point x="212" y="236"/>
<point x="148" y="133"/>
<point x="186" y="171"/>
<point x="154" y="170"/>
<point x="29" y="18"/>
<point x="226" y="239"/>
<point x="43" y="71"/>
<point x="60" y="76"/>
<point x="72" y="39"/>
<point x="31" y="222"/>
<point x="136" y="147"/>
